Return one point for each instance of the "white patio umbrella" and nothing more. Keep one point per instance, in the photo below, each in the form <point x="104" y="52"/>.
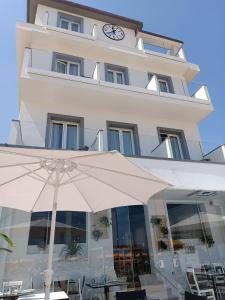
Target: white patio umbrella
<point x="49" y="180"/>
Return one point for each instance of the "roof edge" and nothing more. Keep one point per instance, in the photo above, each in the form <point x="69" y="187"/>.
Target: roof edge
<point x="32" y="4"/>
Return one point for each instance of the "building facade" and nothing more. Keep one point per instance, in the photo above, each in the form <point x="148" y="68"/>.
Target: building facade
<point x="93" y="80"/>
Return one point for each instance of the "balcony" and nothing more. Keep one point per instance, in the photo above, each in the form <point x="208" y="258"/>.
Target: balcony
<point x="34" y="133"/>
<point x="52" y="38"/>
<point x="141" y="95"/>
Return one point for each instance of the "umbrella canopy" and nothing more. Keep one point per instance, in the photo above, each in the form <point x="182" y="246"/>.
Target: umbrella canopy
<point x="49" y="180"/>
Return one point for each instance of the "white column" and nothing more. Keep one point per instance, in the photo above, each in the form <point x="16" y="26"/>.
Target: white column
<point x="140" y="44"/>
<point x="46" y="18"/>
<point x="100" y="140"/>
<point x="95" y="31"/>
<point x="153" y="84"/>
<point x="97" y="72"/>
<point x="26" y="62"/>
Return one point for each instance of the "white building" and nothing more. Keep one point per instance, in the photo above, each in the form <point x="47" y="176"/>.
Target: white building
<point x="85" y="83"/>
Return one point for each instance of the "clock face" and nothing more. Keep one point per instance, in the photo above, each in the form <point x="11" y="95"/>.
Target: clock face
<point x="113" y="32"/>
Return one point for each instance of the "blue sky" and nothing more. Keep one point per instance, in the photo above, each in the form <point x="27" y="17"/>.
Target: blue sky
<point x="199" y="23"/>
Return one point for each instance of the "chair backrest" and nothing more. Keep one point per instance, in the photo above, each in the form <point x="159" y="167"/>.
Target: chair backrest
<point x="190" y="296"/>
<point x="219" y="268"/>
<point x="61" y="285"/>
<point x="192" y="280"/>
<point x="131" y="295"/>
<point x="11" y="286"/>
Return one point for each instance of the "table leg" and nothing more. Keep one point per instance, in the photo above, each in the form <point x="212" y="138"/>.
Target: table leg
<point x="215" y="288"/>
<point x="106" y="290"/>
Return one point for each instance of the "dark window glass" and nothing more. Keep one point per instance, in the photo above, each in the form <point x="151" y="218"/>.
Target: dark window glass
<point x="70" y="226"/>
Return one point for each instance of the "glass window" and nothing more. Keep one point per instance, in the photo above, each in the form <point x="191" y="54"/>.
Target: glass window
<point x="64" y="135"/>
<point x="57" y="136"/>
<point x="70" y="226"/>
<point x="70" y="25"/>
<point x="122" y="140"/>
<point x="114" y="139"/>
<point x="163" y="85"/>
<point x="174" y="145"/>
<point x="115" y="76"/>
<point x="67" y="67"/>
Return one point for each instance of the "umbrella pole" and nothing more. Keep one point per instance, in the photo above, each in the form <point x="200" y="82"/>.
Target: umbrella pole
<point x="49" y="272"/>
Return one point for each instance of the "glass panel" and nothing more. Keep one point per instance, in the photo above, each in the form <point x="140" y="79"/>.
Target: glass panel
<point x="110" y="77"/>
<point x="127" y="143"/>
<point x="75" y="27"/>
<point x="163" y="86"/>
<point x="114" y="140"/>
<point x="39" y="229"/>
<point x="64" y="24"/>
<point x="61" y="67"/>
<point x="56" y="135"/>
<point x="74" y="69"/>
<point x="119" y="78"/>
<point x="72" y="137"/>
<point x="175" y="147"/>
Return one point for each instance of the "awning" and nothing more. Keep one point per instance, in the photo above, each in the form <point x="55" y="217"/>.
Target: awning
<point x="186" y="175"/>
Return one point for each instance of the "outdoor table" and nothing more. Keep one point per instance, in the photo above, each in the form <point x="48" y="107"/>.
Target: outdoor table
<point x="15" y="296"/>
<point x="41" y="296"/>
<point x="212" y="276"/>
<point x="106" y="286"/>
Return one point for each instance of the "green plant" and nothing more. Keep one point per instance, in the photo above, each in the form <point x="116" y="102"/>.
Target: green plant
<point x="104" y="220"/>
<point x="178" y="245"/>
<point x="10" y="243"/>
<point x="97" y="234"/>
<point x="207" y="239"/>
<point x="156" y="220"/>
<point x="71" y="249"/>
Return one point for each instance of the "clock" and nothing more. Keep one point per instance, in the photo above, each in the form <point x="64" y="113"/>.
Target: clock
<point x="113" y="32"/>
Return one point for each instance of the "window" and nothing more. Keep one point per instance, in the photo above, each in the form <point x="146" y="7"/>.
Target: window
<point x="69" y="22"/>
<point x="164" y="82"/>
<point x="70" y="226"/>
<point x="64" y="132"/>
<point x="175" y="143"/>
<point x="123" y="137"/>
<point x="67" y="67"/>
<point x="66" y="64"/>
<point x="116" y="74"/>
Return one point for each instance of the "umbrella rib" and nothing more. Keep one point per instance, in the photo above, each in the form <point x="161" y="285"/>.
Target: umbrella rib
<point x="18" y="177"/>
<point x="113" y="187"/>
<point x="123" y="173"/>
<point x="47" y="182"/>
<point x="95" y="154"/>
<point x="82" y="195"/>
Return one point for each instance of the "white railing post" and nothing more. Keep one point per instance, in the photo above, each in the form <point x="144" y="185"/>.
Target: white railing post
<point x="15" y="136"/>
<point x="140" y="44"/>
<point x="97" y="73"/>
<point x="95" y="31"/>
<point x="46" y="18"/>
<point x="26" y="62"/>
<point x="153" y="84"/>
<point x="100" y="140"/>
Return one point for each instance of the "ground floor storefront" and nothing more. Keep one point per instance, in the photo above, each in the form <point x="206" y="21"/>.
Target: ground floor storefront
<point x="173" y="244"/>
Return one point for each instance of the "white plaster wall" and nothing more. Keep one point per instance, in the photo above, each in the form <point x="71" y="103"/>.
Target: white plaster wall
<point x="33" y="116"/>
<point x="129" y="40"/>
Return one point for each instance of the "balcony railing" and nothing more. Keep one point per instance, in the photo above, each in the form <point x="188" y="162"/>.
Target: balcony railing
<point x="37" y="134"/>
<point x="93" y="74"/>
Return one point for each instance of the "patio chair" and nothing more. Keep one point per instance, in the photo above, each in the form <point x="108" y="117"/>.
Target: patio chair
<point x="131" y="295"/>
<point x="75" y="288"/>
<point x="61" y="285"/>
<point x="196" y="288"/>
<point x="190" y="296"/>
<point x="11" y="286"/>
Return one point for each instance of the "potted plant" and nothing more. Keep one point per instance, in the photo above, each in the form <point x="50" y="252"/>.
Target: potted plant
<point x="178" y="245"/>
<point x="71" y="250"/>
<point x="207" y="239"/>
<point x="9" y="242"/>
<point x="97" y="234"/>
<point x="104" y="220"/>
<point x="156" y="220"/>
<point x="164" y="230"/>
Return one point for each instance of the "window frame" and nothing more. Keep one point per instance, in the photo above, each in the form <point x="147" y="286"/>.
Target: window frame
<point x="68" y="63"/>
<point x="163" y="78"/>
<point x="68" y="59"/>
<point x="56" y="118"/>
<point x="119" y="69"/>
<point x="126" y="127"/>
<point x="121" y="130"/>
<point x="182" y="140"/>
<point x="71" y="19"/>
